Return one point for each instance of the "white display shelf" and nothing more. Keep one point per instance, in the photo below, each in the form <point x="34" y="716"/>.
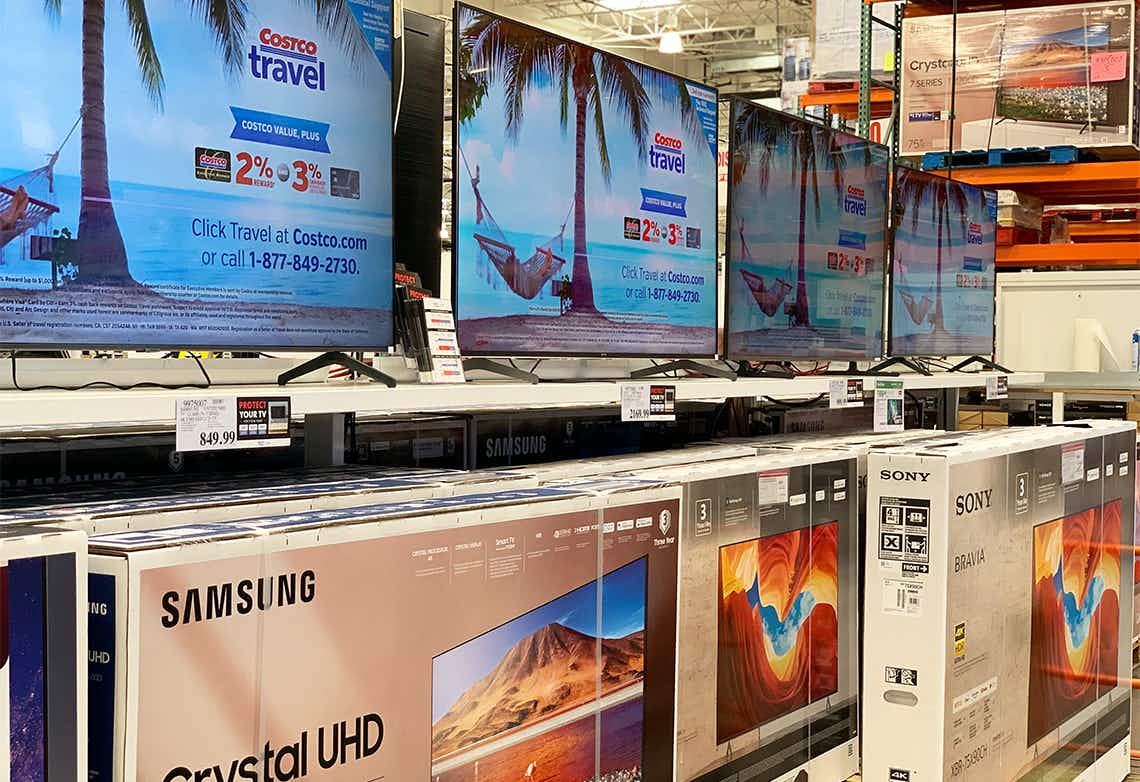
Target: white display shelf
<point x="99" y="407"/>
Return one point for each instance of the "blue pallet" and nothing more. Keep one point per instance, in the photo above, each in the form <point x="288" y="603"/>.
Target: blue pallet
<point x="1016" y="156"/>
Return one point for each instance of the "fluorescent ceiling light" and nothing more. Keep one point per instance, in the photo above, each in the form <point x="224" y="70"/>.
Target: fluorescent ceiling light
<point x="635" y="5"/>
<point x="671" y="43"/>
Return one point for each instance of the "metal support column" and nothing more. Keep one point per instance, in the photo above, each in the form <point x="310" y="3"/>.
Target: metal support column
<point x="324" y="440"/>
<point x="864" y="126"/>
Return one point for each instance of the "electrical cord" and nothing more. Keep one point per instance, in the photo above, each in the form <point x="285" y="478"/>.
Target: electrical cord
<point x="403" y="75"/>
<point x="806" y="403"/>
<point x="116" y="386"/>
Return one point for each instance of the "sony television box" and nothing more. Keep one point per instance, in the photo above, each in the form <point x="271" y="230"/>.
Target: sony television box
<point x="998" y="627"/>
<point x="768" y="655"/>
<point x="1043" y="76"/>
<point x="43" y="639"/>
<point x="488" y="636"/>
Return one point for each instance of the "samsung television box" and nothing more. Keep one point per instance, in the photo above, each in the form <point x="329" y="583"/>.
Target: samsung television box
<point x="442" y="639"/>
<point x="100" y="516"/>
<point x="43" y="639"/>
<point x="998" y="611"/>
<point x="767" y="658"/>
<point x="1043" y="76"/>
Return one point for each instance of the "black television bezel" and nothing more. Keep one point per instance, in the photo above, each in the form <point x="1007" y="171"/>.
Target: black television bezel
<point x="729" y="267"/>
<point x="457" y="9"/>
<point x="890" y="291"/>
<point x="237" y="346"/>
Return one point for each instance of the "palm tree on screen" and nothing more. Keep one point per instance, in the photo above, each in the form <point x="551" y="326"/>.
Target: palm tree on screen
<point x="809" y="150"/>
<point x="947" y="197"/>
<point x="102" y="253"/>
<point x="587" y="81"/>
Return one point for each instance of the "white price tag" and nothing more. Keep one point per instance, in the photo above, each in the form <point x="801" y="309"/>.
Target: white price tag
<point x="889" y="406"/>
<point x="648" y="402"/>
<point x="997" y="388"/>
<point x="845" y="392"/>
<point x="227" y="422"/>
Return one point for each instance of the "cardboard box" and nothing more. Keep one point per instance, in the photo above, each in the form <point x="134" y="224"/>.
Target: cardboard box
<point x="769" y="572"/>
<point x="1044" y="76"/>
<point x="975" y="417"/>
<point x="836" y="49"/>
<point x="997" y="618"/>
<point x="43" y="639"/>
<point x="405" y="642"/>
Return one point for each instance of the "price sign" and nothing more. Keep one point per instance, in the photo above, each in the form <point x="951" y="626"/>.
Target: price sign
<point x="845" y="392"/>
<point x="997" y="387"/>
<point x="226" y="422"/>
<point x="648" y="402"/>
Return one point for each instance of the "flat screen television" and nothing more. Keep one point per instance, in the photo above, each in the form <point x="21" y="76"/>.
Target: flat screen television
<point x="585" y="200"/>
<point x="943" y="269"/>
<point x="1074" y="71"/>
<point x="190" y="176"/>
<point x="529" y="694"/>
<point x="807" y="217"/>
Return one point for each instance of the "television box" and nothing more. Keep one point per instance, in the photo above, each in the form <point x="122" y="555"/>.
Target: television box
<point x="998" y="628"/>
<point x="426" y="634"/>
<point x="43" y="638"/>
<point x="768" y="660"/>
<point x="1044" y="76"/>
<point x="228" y="504"/>
<point x="516" y="438"/>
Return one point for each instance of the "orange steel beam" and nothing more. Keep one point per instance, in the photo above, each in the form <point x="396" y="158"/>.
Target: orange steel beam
<point x="1100" y="254"/>
<point x="1099" y="183"/>
<point x="1110" y="229"/>
<point x="845" y="103"/>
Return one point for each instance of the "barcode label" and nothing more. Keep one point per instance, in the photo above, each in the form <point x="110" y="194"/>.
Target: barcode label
<point x="902" y="597"/>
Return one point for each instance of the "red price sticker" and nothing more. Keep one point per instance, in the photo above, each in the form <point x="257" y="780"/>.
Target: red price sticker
<point x="1108" y="66"/>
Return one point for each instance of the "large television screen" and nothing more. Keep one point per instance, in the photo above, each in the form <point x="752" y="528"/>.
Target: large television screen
<point x="196" y="174"/>
<point x="807" y="210"/>
<point x="529" y="695"/>
<point x="943" y="272"/>
<point x="778" y="627"/>
<point x="585" y="199"/>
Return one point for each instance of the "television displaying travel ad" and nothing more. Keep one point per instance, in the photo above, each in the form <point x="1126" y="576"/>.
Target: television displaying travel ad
<point x="942" y="281"/>
<point x="585" y="199"/>
<point x="196" y="174"/>
<point x="1076" y="615"/>
<point x="806" y="239"/>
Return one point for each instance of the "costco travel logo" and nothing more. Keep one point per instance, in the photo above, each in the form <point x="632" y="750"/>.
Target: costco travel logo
<point x="855" y="201"/>
<point x="667" y="154"/>
<point x="287" y="59"/>
<point x="975" y="234"/>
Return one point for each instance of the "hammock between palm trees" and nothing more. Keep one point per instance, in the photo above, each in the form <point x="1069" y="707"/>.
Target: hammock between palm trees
<point x="19" y="211"/>
<point x="768" y="297"/>
<point x="918" y="309"/>
<point x="526" y="278"/>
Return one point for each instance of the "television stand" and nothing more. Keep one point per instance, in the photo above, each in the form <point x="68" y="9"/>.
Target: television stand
<point x="779" y="370"/>
<point x="984" y="364"/>
<point x="497" y="368"/>
<point x="683" y="365"/>
<point x="854" y="371"/>
<point x="336" y="358"/>
<point x="912" y="364"/>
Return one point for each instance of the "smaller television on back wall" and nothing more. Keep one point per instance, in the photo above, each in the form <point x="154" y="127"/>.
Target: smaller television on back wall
<point x="943" y="270"/>
<point x="807" y="210"/>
